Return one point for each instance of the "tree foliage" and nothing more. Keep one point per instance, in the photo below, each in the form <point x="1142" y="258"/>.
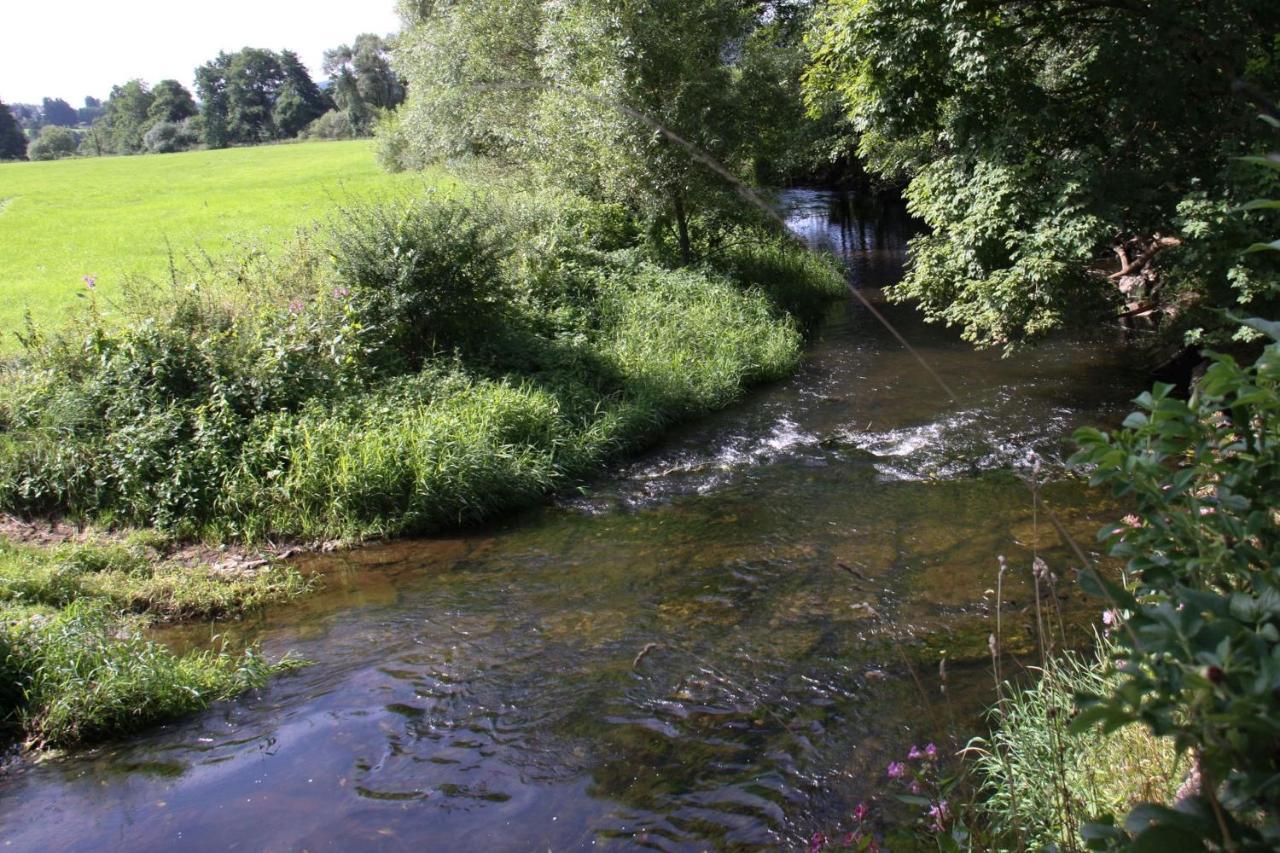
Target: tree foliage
<point x="126" y="117"/>
<point x="362" y="81"/>
<point x="59" y="112"/>
<point x="171" y="102"/>
<point x="1063" y="153"/>
<point x="13" y="142"/>
<point x="255" y="96"/>
<point x="53" y="143"/>
<point x="620" y="99"/>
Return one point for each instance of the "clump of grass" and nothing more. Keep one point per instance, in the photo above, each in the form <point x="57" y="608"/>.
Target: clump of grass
<point x="1041" y="782"/>
<point x="127" y="580"/>
<point x="75" y="665"/>
<point x="83" y="674"/>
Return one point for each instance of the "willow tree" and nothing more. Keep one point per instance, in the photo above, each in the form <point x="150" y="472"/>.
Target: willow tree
<point x="1064" y="152"/>
<point x="624" y="100"/>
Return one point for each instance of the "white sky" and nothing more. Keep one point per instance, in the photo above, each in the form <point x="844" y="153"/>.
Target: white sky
<point x="74" y="48"/>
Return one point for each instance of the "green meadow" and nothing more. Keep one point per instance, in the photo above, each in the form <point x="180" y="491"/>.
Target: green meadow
<point x="115" y="217"/>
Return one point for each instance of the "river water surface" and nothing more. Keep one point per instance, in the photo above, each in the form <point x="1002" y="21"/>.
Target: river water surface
<point x="720" y="644"/>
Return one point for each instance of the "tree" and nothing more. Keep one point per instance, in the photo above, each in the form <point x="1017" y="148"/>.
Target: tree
<point x="13" y="142"/>
<point x="126" y="117"/>
<point x="362" y="80"/>
<point x="53" y="143"/>
<point x="91" y="110"/>
<point x="593" y="91"/>
<point x="1065" y="153"/>
<point x="255" y="95"/>
<point x="299" y="101"/>
<point x="171" y="102"/>
<point x="59" y="112"/>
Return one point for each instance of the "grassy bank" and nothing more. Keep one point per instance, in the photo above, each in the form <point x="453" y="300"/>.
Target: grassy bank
<point x="406" y="366"/>
<point x="75" y="665"/>
<point x="114" y="217"/>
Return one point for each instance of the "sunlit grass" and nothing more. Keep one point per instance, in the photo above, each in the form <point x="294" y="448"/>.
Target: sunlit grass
<point x="113" y="217"/>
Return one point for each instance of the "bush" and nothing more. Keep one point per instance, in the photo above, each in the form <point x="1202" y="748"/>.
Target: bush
<point x="53" y="143"/>
<point x="168" y="137"/>
<point x="1199" y="656"/>
<point x="332" y="125"/>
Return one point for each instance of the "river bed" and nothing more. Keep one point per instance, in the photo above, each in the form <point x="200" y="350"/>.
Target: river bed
<point x="718" y="645"/>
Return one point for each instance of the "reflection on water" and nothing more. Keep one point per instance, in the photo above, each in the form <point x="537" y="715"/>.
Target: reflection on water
<point x="708" y="648"/>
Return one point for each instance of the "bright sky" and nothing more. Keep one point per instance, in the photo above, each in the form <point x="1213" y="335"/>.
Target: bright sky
<point x="75" y="48"/>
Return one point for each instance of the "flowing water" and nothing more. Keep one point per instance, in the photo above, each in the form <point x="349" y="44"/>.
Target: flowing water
<point x="720" y="644"/>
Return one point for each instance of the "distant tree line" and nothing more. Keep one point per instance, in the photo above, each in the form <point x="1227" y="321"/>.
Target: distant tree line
<point x="248" y="97"/>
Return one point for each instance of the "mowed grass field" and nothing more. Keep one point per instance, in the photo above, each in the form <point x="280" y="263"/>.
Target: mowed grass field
<point x="115" y="217"/>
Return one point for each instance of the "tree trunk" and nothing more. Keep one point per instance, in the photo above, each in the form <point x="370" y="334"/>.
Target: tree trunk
<point x="682" y="227"/>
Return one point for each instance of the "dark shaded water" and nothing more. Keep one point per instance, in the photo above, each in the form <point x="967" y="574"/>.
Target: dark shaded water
<point x="713" y="647"/>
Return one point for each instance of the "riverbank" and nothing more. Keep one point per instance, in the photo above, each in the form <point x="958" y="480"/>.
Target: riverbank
<point x="405" y="367"/>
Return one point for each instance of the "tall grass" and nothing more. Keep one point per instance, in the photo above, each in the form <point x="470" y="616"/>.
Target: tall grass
<point x="1040" y="782"/>
<point x="83" y="674"/>
<point x="75" y="665"/>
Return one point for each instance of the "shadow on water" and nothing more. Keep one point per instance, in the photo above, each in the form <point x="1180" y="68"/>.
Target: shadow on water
<point x="707" y="648"/>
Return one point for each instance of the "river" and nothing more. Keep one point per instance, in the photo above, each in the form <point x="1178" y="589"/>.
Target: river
<point x="718" y="645"/>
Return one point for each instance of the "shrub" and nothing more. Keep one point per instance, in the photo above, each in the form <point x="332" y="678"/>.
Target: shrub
<point x="53" y="143"/>
<point x="168" y="137"/>
<point x="1199" y="656"/>
<point x="332" y="125"/>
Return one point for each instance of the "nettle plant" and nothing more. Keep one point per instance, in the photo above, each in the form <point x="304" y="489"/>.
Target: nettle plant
<point x="1199" y="647"/>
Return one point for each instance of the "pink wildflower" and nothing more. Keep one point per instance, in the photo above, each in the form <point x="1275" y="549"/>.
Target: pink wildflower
<point x="939" y="812"/>
<point x="861" y="812"/>
<point x="897" y="770"/>
<point x="90" y="282"/>
<point x="914" y="753"/>
<point x="817" y="842"/>
<point x="931" y="751"/>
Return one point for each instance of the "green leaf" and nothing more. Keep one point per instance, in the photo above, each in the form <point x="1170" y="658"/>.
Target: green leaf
<point x="1258" y="204"/>
<point x="1273" y="246"/>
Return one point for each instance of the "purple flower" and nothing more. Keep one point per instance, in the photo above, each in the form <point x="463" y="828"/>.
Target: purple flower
<point x="939" y="812"/>
<point x="915" y="754"/>
<point x="341" y="293"/>
<point x="915" y="787"/>
<point x="90" y="282"/>
<point x="861" y="812"/>
<point x="931" y="751"/>
<point x="897" y="770"/>
<point x="817" y="842"/>
<point x="295" y="307"/>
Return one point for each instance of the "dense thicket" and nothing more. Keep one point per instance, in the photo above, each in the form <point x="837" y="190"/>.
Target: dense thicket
<point x="1064" y="153"/>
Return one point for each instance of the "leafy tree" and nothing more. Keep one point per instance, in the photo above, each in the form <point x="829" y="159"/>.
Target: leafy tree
<point x="13" y="142"/>
<point x="362" y="80"/>
<point x="592" y="91"/>
<point x="1064" y="153"/>
<point x="59" y="112"/>
<point x="299" y="101"/>
<point x="256" y="95"/>
<point x="91" y="110"/>
<point x="53" y="143"/>
<point x="126" y="117"/>
<point x="172" y="102"/>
